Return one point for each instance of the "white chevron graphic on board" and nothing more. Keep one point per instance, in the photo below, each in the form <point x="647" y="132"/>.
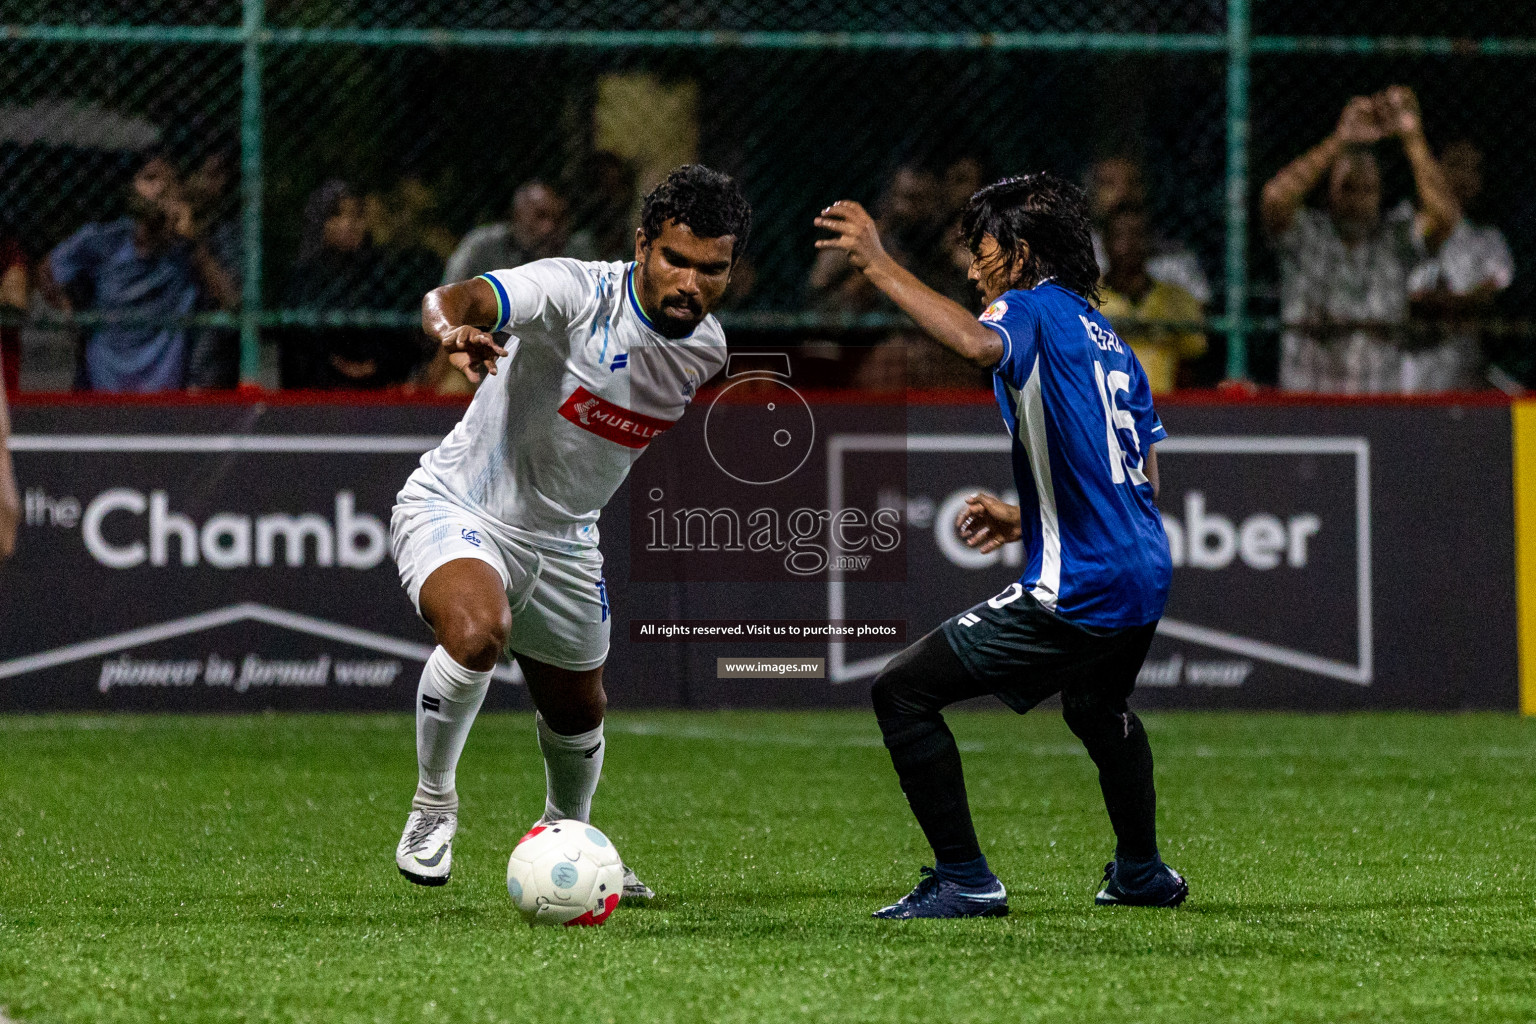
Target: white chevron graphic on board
<point x="245" y="612"/>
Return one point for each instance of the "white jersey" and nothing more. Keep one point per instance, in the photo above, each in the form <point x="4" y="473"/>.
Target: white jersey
<point x="586" y="384"/>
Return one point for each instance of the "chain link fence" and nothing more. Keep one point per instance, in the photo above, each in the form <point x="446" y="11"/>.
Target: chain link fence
<point x="432" y="115"/>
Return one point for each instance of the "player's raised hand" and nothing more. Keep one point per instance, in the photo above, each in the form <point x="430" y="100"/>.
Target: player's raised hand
<point x="988" y="522"/>
<point x="473" y="351"/>
<point x="854" y="232"/>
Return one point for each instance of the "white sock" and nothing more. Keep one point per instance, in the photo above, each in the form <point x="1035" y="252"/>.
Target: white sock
<point x="571" y="767"/>
<point x="447" y="700"/>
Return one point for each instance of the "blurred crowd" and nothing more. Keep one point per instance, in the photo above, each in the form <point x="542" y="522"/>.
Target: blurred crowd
<point x="176" y="252"/>
<point x="1374" y="295"/>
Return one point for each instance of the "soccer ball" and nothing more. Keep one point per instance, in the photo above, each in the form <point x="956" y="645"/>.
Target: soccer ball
<point x="565" y="872"/>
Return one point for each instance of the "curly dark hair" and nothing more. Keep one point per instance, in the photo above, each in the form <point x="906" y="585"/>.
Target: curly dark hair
<point x="707" y="201"/>
<point x="1050" y="216"/>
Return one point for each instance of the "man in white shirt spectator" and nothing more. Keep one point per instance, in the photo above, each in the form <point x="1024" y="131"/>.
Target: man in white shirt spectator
<point x="1459" y="283"/>
<point x="1344" y="270"/>
<point x="538" y="229"/>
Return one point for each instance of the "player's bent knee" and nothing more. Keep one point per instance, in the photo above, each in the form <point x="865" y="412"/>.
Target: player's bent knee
<point x="465" y="602"/>
<point x="1097" y="722"/>
<point x="888" y="695"/>
<point x="475" y="638"/>
<point x="902" y="710"/>
<point x="920" y="681"/>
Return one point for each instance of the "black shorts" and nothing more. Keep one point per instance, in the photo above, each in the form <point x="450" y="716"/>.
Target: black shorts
<point x="1023" y="653"/>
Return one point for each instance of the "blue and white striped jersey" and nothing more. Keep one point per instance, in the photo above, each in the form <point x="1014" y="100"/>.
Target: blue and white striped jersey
<point x="1080" y="411"/>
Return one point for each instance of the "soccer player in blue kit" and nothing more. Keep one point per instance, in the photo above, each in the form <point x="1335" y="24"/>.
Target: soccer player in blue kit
<point x="1080" y="619"/>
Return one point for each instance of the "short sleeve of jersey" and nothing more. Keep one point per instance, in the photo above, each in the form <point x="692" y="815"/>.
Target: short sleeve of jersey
<point x="552" y="291"/>
<point x="1016" y="320"/>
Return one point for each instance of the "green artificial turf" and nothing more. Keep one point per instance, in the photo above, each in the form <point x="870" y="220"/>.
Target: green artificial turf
<point x="1361" y="868"/>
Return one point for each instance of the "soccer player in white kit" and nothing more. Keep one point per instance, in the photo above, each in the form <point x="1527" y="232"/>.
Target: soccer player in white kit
<point x="495" y="534"/>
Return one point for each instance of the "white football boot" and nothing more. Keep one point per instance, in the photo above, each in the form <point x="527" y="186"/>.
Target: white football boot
<point x="634" y="889"/>
<point x="425" y="853"/>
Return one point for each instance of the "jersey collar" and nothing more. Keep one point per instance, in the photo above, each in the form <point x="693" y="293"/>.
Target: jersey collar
<point x="634" y="298"/>
<point x="634" y="302"/>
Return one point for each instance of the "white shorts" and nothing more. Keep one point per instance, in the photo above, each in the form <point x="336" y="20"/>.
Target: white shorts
<point x="559" y="600"/>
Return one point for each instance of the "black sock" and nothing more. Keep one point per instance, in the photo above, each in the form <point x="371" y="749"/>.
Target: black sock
<point x="1125" y="777"/>
<point x="928" y="764"/>
<point x="1117" y="742"/>
<point x="907" y="696"/>
<point x="973" y="874"/>
<point x="1136" y="874"/>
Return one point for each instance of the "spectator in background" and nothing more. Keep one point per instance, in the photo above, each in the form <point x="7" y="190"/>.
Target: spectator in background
<point x="914" y="228"/>
<point x="911" y="223"/>
<point x="1458" y="283"/>
<point x="538" y="229"/>
<point x="961" y="180"/>
<point x="1344" y="271"/>
<point x="405" y="220"/>
<point x="1152" y="316"/>
<point x="407" y="242"/>
<point x="15" y="295"/>
<point x="215" y="358"/>
<point x="1118" y="181"/>
<point x="604" y="214"/>
<point x="152" y="263"/>
<point x="340" y="269"/>
<point x="10" y="503"/>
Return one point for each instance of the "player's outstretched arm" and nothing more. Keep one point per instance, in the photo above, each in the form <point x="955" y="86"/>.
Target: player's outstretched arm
<point x="948" y="322"/>
<point x="455" y="316"/>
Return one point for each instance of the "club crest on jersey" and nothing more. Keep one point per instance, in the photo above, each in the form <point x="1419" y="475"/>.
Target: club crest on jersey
<point x="690" y="383"/>
<point x="612" y="422"/>
<point x="995" y="312"/>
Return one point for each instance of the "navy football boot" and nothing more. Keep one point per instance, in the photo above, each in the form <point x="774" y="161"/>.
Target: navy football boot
<point x="939" y="897"/>
<point x="1153" y="884"/>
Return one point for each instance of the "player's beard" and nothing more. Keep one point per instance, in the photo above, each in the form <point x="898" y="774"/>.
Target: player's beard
<point x="672" y="327"/>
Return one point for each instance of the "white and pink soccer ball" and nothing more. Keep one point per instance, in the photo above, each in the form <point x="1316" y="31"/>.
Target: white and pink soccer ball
<point x="566" y="873"/>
